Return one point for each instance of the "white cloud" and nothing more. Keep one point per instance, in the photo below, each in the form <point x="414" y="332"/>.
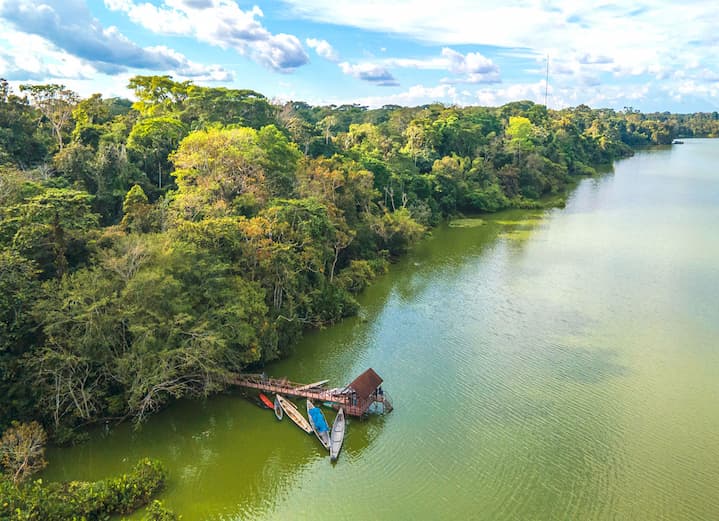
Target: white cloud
<point x="37" y="59"/>
<point x="498" y="94"/>
<point x="417" y="95"/>
<point x="61" y="39"/>
<point x="323" y="49"/>
<point x="472" y="67"/>
<point x="475" y="67"/>
<point x="630" y="38"/>
<point x="370" y="72"/>
<point x="220" y="23"/>
<point x="185" y="68"/>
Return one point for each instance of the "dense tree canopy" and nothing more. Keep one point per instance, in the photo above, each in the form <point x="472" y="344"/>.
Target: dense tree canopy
<point x="148" y="250"/>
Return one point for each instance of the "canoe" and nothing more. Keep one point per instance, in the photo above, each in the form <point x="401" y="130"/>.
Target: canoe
<point x="256" y="401"/>
<point x="319" y="424"/>
<point x="264" y="399"/>
<point x="312" y="385"/>
<point x="293" y="414"/>
<point x="278" y="408"/>
<point x="337" y="435"/>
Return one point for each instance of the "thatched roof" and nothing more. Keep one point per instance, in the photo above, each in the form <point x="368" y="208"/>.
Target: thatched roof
<point x="366" y="383"/>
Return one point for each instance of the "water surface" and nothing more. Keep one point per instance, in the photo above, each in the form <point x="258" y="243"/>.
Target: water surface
<point x="549" y="365"/>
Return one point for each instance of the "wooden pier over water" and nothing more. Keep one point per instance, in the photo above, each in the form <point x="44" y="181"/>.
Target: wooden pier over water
<point x="356" y="398"/>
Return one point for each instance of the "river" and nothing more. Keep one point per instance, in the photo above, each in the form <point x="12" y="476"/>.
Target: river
<point x="544" y="365"/>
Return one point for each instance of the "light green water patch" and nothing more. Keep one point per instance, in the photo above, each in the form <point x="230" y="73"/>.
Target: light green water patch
<point x="529" y="222"/>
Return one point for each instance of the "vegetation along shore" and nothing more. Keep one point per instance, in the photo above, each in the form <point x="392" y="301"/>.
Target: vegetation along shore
<point x="150" y="249"/>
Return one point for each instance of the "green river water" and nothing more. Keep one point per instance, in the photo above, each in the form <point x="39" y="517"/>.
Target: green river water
<point x="546" y="365"/>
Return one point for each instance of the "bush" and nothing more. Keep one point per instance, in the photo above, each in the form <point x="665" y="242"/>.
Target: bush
<point x="82" y="500"/>
<point x="157" y="512"/>
<point x="491" y="199"/>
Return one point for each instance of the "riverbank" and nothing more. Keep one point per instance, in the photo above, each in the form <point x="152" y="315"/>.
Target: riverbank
<point x="579" y="341"/>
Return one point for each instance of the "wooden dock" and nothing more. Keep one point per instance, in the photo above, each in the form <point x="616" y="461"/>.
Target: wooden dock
<point x="356" y="398"/>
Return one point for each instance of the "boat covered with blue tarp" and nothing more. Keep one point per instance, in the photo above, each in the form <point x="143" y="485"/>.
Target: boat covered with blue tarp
<point x="319" y="420"/>
<point x="319" y="424"/>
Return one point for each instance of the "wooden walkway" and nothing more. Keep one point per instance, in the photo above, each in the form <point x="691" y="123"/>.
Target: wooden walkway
<point x="316" y="392"/>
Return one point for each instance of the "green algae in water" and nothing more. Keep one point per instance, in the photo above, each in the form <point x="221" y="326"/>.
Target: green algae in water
<point x="517" y="235"/>
<point x="529" y="222"/>
<point x="466" y="223"/>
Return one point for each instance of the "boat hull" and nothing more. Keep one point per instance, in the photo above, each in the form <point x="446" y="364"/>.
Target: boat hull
<point x="265" y="400"/>
<point x="337" y="435"/>
<point x="294" y="414"/>
<point x="278" y="408"/>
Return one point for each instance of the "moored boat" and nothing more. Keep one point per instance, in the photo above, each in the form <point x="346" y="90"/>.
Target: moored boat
<point x="294" y="414"/>
<point x="278" y="408"/>
<point x="264" y="399"/>
<point x="337" y="435"/>
<point x="319" y="424"/>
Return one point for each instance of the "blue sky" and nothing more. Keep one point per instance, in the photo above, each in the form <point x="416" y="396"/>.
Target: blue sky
<point x="658" y="55"/>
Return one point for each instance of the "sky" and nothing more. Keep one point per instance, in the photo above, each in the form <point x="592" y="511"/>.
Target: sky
<point x="651" y="56"/>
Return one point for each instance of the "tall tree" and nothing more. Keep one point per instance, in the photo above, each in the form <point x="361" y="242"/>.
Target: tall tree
<point x="152" y="140"/>
<point x="22" y="450"/>
<point x="46" y="226"/>
<point x="56" y="104"/>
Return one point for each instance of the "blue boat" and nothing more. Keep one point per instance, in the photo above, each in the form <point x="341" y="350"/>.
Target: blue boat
<point x="319" y="424"/>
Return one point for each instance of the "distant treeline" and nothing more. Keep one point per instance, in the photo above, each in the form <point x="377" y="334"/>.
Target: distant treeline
<point x="149" y="249"/>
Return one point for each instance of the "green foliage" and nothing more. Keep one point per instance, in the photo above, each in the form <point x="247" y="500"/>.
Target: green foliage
<point x="50" y="228"/>
<point x="155" y="319"/>
<point x="157" y="95"/>
<point x="491" y="199"/>
<point x="56" y="104"/>
<point x="18" y="291"/>
<point x="21" y="142"/>
<point x="78" y="500"/>
<point x="279" y="158"/>
<point x="150" y="143"/>
<point x="167" y="243"/>
<point x="219" y="172"/>
<point x="137" y="211"/>
<point x="357" y="276"/>
<point x="156" y="511"/>
<point x="397" y="230"/>
<point x="522" y="133"/>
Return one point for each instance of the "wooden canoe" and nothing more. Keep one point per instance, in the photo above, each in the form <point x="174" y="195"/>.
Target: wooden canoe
<point x="319" y="424"/>
<point x="278" y="408"/>
<point x="293" y="414"/>
<point x="337" y="435"/>
<point x="264" y="399"/>
<point x="312" y="385"/>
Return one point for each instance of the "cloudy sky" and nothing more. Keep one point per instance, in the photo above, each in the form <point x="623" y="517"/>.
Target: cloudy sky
<point x="653" y="55"/>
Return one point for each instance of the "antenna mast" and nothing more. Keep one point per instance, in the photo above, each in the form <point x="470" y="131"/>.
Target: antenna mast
<point x="546" y="84"/>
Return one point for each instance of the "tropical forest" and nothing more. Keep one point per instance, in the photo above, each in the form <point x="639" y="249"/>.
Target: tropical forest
<point x="152" y="248"/>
